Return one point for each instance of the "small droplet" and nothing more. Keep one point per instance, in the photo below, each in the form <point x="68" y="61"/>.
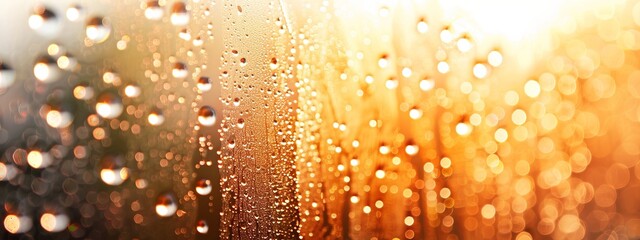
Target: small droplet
<point x="153" y="10"/>
<point x="166" y="205"/>
<point x="207" y="116"/>
<point x="7" y="76"/>
<point x="39" y="159"/>
<point x="179" y="70"/>
<point x="204" y="84"/>
<point x="83" y="91"/>
<point x="383" y="61"/>
<point x="422" y="26"/>
<point x="203" y="186"/>
<point x="109" y="105"/>
<point x="240" y="123"/>
<point x="495" y="58"/>
<point x="57" y="112"/>
<point x="74" y="12"/>
<point x="112" y="170"/>
<point x="155" y="117"/>
<point x="97" y="29"/>
<point x="46" y="69"/>
<point x="202" y="227"/>
<point x="427" y="84"/>
<point x="179" y="14"/>
<point x="67" y="62"/>
<point x="54" y="222"/>
<point x="273" y="64"/>
<point x="132" y="90"/>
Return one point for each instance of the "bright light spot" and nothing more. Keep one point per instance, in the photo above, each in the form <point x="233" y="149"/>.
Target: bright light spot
<point x="480" y="70"/>
<point x="114" y="177"/>
<point x="532" y="88"/>
<point x="443" y="67"/>
<point x="494" y="58"/>
<point x="17" y="224"/>
<point x="488" y="211"/>
<point x="463" y="129"/>
<point x="427" y="84"/>
<point x="54" y="223"/>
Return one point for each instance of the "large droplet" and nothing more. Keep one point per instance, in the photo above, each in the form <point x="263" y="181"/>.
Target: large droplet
<point x="44" y="21"/>
<point x="179" y="14"/>
<point x="17" y="223"/>
<point x="113" y="170"/>
<point x="207" y="116"/>
<point x="46" y="69"/>
<point x="155" y="117"/>
<point x="166" y="205"/>
<point x="109" y="105"/>
<point x="204" y="84"/>
<point x="202" y="227"/>
<point x="153" y="10"/>
<point x="7" y="76"/>
<point x="97" y="29"/>
<point x="54" y="222"/>
<point x="203" y="187"/>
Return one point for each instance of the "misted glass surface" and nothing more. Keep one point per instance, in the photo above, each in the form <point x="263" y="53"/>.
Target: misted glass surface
<point x="320" y="119"/>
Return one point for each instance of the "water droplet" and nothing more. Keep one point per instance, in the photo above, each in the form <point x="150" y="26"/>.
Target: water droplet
<point x="166" y="205"/>
<point x="57" y="112"/>
<point x="463" y="129"/>
<point x="204" y="84"/>
<point x="273" y="64"/>
<point x="179" y="14"/>
<point x="202" y="227"/>
<point x="97" y="29"/>
<point x="412" y="148"/>
<point x="54" y="222"/>
<point x="422" y="26"/>
<point x="179" y="70"/>
<point x="243" y="62"/>
<point x="46" y="69"/>
<point x="39" y="159"/>
<point x="132" y="91"/>
<point x="495" y="58"/>
<point x="240" y="123"/>
<point x="427" y="84"/>
<point x="44" y="21"/>
<point x="109" y="105"/>
<point x="67" y="62"/>
<point x="74" y="12"/>
<point x="155" y="117"/>
<point x="17" y="224"/>
<point x="207" y="116"/>
<point x="231" y="143"/>
<point x="415" y="113"/>
<point x="7" y="75"/>
<point x="383" y="61"/>
<point x="7" y="172"/>
<point x="83" y="91"/>
<point x="391" y="83"/>
<point x="153" y="11"/>
<point x="113" y="171"/>
<point x="203" y="187"/>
